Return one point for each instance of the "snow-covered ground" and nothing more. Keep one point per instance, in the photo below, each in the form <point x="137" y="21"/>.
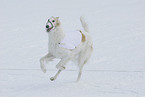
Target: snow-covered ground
<point x="116" y="68"/>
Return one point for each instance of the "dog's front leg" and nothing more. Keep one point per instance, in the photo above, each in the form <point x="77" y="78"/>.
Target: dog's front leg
<point x="60" y="66"/>
<point x="53" y="78"/>
<point x="47" y="58"/>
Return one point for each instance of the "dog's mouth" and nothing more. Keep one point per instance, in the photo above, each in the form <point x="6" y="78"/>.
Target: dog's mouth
<point x="48" y="29"/>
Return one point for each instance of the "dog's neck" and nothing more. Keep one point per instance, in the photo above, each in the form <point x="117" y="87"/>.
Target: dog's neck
<point x="57" y="35"/>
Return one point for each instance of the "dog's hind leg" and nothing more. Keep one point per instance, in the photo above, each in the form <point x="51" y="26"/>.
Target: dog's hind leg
<point x="47" y="58"/>
<point x="81" y="65"/>
<point x="60" y="66"/>
<point x="83" y="58"/>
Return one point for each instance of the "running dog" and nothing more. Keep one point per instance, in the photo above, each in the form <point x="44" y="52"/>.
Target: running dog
<point x="76" y="46"/>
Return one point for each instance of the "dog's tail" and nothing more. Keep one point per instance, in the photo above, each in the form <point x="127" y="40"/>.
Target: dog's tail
<point x="84" y="24"/>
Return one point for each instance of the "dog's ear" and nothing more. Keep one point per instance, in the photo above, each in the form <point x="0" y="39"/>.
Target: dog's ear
<point x="57" y="18"/>
<point x="58" y="23"/>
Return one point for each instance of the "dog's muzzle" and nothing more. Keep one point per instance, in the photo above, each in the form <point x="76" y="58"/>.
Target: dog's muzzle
<point x="48" y="28"/>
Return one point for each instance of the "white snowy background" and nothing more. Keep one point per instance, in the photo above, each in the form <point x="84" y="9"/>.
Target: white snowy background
<point x="116" y="68"/>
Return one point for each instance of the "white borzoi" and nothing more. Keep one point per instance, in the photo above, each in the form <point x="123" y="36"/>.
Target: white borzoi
<point x="79" y="52"/>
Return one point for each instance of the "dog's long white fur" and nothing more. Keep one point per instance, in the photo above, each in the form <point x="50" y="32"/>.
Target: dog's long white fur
<point x="80" y="54"/>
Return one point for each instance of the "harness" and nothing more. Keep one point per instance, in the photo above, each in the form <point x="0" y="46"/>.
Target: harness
<point x="51" y="25"/>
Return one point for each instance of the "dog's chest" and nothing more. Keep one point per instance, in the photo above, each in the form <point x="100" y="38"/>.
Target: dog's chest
<point x="71" y="40"/>
<point x="52" y="46"/>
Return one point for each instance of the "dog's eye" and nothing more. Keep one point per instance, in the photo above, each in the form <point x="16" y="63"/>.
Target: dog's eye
<point x="53" y="20"/>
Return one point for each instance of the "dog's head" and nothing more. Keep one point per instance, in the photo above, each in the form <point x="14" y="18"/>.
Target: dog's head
<point x="52" y="23"/>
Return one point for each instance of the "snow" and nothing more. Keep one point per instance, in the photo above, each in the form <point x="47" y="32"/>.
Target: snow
<point x="116" y="68"/>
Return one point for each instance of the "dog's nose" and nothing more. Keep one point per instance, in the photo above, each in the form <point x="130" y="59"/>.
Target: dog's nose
<point x="47" y="26"/>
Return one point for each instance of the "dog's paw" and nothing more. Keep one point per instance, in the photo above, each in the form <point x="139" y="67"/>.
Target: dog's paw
<point x="43" y="68"/>
<point x="52" y="78"/>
